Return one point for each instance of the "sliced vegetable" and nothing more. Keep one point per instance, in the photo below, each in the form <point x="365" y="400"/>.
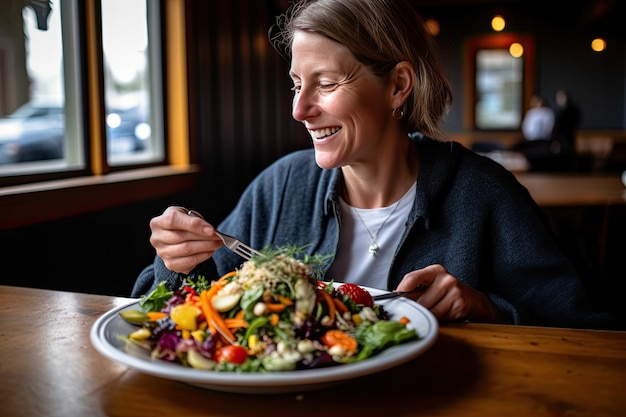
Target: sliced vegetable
<point x="198" y="361"/>
<point x="235" y="323"/>
<point x="134" y="316"/>
<point x="215" y="320"/>
<point x="329" y="302"/>
<point x="185" y="316"/>
<point x="156" y="315"/>
<point x="225" y="302"/>
<point x="340" y="338"/>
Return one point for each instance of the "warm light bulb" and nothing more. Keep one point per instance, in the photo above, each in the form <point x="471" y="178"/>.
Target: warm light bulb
<point x="598" y="44"/>
<point x="516" y="50"/>
<point x="432" y="26"/>
<point x="498" y="23"/>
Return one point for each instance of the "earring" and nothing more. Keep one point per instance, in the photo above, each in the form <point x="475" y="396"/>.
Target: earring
<point x="398" y="113"/>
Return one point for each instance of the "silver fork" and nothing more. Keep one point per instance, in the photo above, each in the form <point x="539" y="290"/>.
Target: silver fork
<point x="237" y="246"/>
<point x="232" y="243"/>
<point x="395" y="294"/>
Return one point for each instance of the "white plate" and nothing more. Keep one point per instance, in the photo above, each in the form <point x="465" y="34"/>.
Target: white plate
<point x="107" y="329"/>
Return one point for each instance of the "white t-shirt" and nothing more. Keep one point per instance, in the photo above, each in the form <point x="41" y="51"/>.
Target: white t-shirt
<point x="354" y="263"/>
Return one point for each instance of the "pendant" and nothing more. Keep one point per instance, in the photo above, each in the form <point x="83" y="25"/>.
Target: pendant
<point x="373" y="248"/>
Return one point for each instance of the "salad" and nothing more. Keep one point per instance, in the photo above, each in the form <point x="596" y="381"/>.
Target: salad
<point x="272" y="314"/>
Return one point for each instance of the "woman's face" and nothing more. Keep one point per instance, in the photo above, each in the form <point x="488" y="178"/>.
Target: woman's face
<point x="345" y="107"/>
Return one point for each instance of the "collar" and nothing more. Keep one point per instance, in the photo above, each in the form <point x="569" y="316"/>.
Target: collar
<point x="438" y="164"/>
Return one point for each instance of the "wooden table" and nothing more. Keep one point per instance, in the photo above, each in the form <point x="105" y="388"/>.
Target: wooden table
<point x="556" y="189"/>
<point x="49" y="368"/>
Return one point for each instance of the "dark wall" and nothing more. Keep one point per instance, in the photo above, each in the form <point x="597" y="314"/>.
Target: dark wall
<point x="100" y="252"/>
<point x="242" y="96"/>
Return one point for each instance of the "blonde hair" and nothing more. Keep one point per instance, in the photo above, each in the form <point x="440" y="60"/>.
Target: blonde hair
<point x="379" y="34"/>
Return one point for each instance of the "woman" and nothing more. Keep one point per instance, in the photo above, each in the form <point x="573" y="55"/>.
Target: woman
<point x="395" y="209"/>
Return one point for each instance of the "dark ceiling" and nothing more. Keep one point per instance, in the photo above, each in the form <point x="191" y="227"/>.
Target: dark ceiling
<point x="601" y="17"/>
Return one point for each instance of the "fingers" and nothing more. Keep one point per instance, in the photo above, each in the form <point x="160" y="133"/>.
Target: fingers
<point x="445" y="296"/>
<point x="186" y="226"/>
<point x="421" y="278"/>
<point x="447" y="303"/>
<point x="182" y="240"/>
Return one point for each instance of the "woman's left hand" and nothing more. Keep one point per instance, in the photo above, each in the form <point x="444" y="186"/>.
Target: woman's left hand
<point x="448" y="298"/>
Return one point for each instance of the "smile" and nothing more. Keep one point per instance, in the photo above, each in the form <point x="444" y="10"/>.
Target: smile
<point x="322" y="133"/>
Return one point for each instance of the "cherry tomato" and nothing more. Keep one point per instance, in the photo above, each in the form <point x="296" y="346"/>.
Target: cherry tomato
<point x="232" y="353"/>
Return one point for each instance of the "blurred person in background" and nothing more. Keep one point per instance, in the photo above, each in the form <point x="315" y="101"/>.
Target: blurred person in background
<point x="538" y="121"/>
<point x="568" y="117"/>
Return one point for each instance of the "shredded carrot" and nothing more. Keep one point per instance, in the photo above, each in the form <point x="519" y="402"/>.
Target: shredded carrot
<point x="275" y="308"/>
<point x="235" y="323"/>
<point x="239" y="314"/>
<point x="329" y="302"/>
<point x="156" y="315"/>
<point x="214" y="319"/>
<point x="227" y="275"/>
<point x="204" y="306"/>
<point x="284" y="300"/>
<point x="404" y="320"/>
<point x="274" y="319"/>
<point x="191" y="298"/>
<point x="341" y="307"/>
<point x="221" y="327"/>
<point x="215" y="287"/>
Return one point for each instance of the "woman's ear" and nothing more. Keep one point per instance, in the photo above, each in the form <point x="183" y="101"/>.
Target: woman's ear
<point x="402" y="78"/>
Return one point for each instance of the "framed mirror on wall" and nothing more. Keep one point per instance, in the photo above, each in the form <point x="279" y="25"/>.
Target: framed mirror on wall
<point x="500" y="80"/>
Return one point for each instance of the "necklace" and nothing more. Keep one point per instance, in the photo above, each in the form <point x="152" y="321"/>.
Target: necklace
<point x="373" y="248"/>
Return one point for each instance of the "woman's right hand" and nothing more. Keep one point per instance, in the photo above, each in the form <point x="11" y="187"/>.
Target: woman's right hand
<point x="181" y="240"/>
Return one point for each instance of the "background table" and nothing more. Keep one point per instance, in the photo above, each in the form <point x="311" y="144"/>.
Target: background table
<point x="554" y="189"/>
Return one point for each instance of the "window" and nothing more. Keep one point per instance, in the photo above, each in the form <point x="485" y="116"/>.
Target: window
<point x="34" y="95"/>
<point x="81" y="105"/>
<point x="46" y="125"/>
<point x="499" y="82"/>
<point x="498" y="89"/>
<point x="128" y="80"/>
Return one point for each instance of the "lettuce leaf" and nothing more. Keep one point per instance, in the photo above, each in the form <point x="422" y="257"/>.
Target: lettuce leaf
<point x="157" y="299"/>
